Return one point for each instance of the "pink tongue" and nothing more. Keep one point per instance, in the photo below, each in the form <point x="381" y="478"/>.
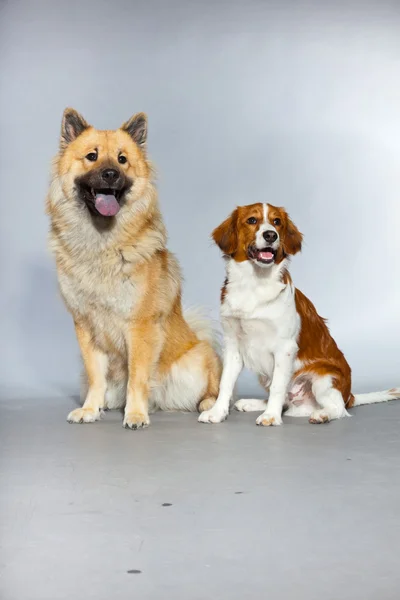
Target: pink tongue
<point x="265" y="255"/>
<point x="106" y="204"/>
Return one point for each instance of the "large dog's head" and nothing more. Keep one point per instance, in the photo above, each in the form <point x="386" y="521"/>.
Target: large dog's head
<point x="261" y="233"/>
<point x="102" y="170"/>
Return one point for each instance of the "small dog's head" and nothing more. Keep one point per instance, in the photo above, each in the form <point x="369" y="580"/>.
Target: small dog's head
<point x="261" y="233"/>
<point x="103" y="169"/>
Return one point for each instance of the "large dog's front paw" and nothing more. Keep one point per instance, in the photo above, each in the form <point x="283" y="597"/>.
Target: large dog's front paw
<point x="136" y="420"/>
<point x="84" y="415"/>
<point x="214" y="415"/>
<point x="269" y="419"/>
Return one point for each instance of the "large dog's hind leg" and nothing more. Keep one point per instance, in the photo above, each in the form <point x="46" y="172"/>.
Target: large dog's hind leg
<point x="213" y="370"/>
<point x="189" y="383"/>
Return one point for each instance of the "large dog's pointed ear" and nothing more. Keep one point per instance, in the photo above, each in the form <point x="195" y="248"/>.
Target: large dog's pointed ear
<point x="72" y="125"/>
<point x="292" y="239"/>
<point x="137" y="128"/>
<point x="226" y="235"/>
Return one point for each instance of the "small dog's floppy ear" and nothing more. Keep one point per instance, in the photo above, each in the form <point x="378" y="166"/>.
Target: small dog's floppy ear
<point x="72" y="125"/>
<point x="225" y="235"/>
<point x="137" y="128"/>
<point x="293" y="238"/>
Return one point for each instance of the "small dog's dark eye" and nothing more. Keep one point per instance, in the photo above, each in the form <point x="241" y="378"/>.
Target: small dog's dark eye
<point x="277" y="222"/>
<point x="122" y="159"/>
<point x="252" y="221"/>
<point x="92" y="156"/>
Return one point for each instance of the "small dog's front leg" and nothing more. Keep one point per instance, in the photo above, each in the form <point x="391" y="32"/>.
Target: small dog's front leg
<point x="233" y="364"/>
<point x="283" y="372"/>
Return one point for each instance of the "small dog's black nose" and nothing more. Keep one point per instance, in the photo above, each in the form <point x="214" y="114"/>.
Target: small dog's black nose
<point x="110" y="175"/>
<point x="270" y="236"/>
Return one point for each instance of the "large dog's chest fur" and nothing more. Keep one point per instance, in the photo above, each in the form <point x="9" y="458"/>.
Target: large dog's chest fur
<point x="103" y="296"/>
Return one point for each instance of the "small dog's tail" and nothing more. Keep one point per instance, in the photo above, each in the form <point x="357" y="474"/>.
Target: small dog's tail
<point x="205" y="328"/>
<point x="374" y="397"/>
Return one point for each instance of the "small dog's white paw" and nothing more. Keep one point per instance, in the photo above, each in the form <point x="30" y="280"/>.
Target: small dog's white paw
<point x="84" y="415"/>
<point x="250" y="405"/>
<point x="213" y="416"/>
<point x="319" y="416"/>
<point x="268" y="419"/>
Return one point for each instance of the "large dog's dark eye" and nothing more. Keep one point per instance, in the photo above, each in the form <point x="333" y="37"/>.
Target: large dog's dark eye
<point x="122" y="159"/>
<point x="277" y="222"/>
<point x="92" y="156"/>
<point x="252" y="221"/>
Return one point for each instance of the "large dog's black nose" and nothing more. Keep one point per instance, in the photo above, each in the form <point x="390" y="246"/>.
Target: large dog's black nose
<point x="270" y="236"/>
<point x="110" y="175"/>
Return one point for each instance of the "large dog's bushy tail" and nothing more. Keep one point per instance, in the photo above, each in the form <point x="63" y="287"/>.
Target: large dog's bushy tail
<point x="374" y="397"/>
<point x="205" y="328"/>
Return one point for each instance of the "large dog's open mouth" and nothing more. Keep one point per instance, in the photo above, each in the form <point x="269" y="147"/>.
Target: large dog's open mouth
<point x="103" y="191"/>
<point x="102" y="201"/>
<point x="106" y="201"/>
<point x="265" y="256"/>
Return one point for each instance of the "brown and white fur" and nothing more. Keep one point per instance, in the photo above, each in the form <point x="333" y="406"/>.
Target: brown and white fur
<point x="273" y="329"/>
<point x="120" y="283"/>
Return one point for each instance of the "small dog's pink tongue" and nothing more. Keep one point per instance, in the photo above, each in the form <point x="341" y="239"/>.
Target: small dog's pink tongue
<point x="106" y="204"/>
<point x="265" y="255"/>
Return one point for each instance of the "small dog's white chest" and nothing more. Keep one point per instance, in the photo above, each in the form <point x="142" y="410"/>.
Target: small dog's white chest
<point x="260" y="313"/>
<point x="257" y="340"/>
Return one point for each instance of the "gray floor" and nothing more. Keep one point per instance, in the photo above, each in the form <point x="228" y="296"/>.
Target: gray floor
<point x="196" y="512"/>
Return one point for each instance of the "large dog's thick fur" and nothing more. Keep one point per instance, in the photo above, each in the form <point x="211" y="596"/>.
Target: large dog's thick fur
<point x="120" y="283"/>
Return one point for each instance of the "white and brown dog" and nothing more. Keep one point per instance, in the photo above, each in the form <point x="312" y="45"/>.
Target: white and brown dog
<point x="273" y="329"/>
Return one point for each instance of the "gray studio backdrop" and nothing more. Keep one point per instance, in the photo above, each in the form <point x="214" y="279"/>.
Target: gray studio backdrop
<point x="292" y="103"/>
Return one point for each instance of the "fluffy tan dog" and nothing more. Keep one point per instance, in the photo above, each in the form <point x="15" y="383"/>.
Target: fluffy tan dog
<point x="120" y="283"/>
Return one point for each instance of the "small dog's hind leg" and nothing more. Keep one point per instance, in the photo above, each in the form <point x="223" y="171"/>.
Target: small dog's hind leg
<point x="330" y="399"/>
<point x="251" y="405"/>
